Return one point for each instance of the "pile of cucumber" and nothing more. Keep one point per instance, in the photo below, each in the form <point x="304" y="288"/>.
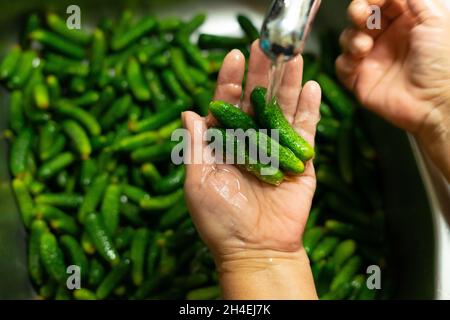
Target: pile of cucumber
<point x="290" y="149"/>
<point x="91" y="115"/>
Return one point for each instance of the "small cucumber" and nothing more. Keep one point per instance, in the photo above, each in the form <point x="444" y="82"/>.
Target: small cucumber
<point x="100" y="238"/>
<point x="52" y="257"/>
<point x="271" y="116"/>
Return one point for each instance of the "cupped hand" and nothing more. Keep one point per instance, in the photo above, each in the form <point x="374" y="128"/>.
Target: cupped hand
<point x="402" y="71"/>
<point x="236" y="214"/>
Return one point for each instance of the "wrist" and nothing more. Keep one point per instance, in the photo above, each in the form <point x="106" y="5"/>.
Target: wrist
<point x="266" y="274"/>
<point x="434" y="137"/>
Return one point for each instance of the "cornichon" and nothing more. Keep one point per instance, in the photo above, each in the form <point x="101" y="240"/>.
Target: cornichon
<point x="271" y="116"/>
<point x="52" y="257"/>
<point x="100" y="238"/>
<point x="264" y="172"/>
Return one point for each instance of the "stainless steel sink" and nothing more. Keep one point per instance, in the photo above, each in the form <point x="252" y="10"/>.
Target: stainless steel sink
<point x="413" y="236"/>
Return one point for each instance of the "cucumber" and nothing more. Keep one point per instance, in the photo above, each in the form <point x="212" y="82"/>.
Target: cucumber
<point x="35" y="267"/>
<point x="53" y="257"/>
<point x="312" y="237"/>
<point x="251" y="165"/>
<point x="231" y="117"/>
<point x="100" y="238"/>
<point x="24" y="200"/>
<point x="84" y="294"/>
<point x="271" y="116"/>
<point x="96" y="272"/>
<point x="79" y="138"/>
<point x="110" y="209"/>
<point x="173" y="181"/>
<point x="93" y="196"/>
<point x="137" y="255"/>
<point x="76" y="254"/>
<point x="53" y="166"/>
<point x="344" y="251"/>
<point x="19" y="152"/>
<point x="206" y="293"/>
<point x="338" y="98"/>
<point x="64" y="200"/>
<point x="346" y="273"/>
<point x="112" y="279"/>
<point x="324" y="248"/>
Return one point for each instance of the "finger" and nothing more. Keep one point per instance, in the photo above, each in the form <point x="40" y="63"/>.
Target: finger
<point x="229" y="81"/>
<point x="290" y="87"/>
<point x="308" y="114"/>
<point x="347" y="69"/>
<point x="425" y="10"/>
<point x="357" y="43"/>
<point x="257" y="74"/>
<point x="363" y="13"/>
<point x="196" y="157"/>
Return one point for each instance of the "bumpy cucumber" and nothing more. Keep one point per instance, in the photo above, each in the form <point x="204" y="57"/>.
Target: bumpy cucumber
<point x="271" y="116"/>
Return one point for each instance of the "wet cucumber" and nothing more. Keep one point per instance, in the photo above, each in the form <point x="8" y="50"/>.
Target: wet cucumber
<point x="230" y="116"/>
<point x="100" y="238"/>
<point x="52" y="257"/>
<point x="274" y="176"/>
<point x="271" y="116"/>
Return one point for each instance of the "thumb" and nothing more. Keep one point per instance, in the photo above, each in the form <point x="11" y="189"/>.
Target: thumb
<point x="196" y="150"/>
<point x="426" y="10"/>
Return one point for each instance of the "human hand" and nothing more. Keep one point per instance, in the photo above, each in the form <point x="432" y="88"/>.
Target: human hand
<point x="402" y="72"/>
<point x="251" y="226"/>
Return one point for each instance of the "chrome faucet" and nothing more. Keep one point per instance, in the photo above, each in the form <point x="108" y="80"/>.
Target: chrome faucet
<point x="286" y="27"/>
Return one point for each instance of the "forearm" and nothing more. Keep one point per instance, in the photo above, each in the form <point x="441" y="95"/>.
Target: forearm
<point x="265" y="274"/>
<point x="434" y="138"/>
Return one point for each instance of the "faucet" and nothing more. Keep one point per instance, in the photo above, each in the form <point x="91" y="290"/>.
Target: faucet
<point x="286" y="27"/>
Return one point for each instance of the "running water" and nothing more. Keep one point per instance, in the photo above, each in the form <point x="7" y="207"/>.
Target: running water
<point x="275" y="77"/>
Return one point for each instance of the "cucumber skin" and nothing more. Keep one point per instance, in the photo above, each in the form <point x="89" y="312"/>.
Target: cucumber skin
<point x="271" y="117"/>
<point x="230" y="116"/>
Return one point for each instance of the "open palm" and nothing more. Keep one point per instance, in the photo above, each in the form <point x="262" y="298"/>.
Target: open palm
<point x="233" y="210"/>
